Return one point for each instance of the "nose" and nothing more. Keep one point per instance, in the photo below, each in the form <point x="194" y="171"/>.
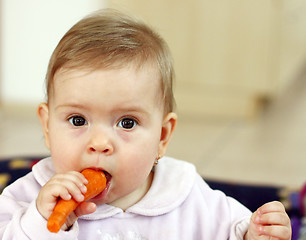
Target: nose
<point x="100" y="143"/>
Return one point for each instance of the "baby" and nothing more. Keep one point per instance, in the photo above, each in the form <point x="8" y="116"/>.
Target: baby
<point x="110" y="107"/>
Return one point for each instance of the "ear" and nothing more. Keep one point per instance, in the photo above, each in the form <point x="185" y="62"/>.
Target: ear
<point x="43" y="115"/>
<point x="167" y="131"/>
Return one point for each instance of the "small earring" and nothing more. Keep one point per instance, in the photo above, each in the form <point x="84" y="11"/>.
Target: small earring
<point x="157" y="159"/>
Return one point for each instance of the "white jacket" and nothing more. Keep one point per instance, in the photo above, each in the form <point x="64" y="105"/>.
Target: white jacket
<point x="179" y="205"/>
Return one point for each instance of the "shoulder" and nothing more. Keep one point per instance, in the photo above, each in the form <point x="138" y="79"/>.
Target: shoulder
<point x="28" y="186"/>
<point x="24" y="189"/>
<point x="186" y="180"/>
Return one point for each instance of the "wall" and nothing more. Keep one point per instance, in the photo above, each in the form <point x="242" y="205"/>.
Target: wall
<point x="30" y="30"/>
<point x="293" y="41"/>
<point x="231" y="57"/>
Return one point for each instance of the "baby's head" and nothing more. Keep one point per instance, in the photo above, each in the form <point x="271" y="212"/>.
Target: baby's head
<point x="109" y="39"/>
<point x="110" y="103"/>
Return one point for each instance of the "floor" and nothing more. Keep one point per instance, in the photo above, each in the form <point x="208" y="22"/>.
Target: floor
<point x="270" y="150"/>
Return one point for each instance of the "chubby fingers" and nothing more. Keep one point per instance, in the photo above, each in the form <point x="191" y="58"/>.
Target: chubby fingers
<point x="274" y="232"/>
<point x="272" y="220"/>
<point x="274" y="206"/>
<point x="64" y="185"/>
<point x="85" y="208"/>
<point x="69" y="185"/>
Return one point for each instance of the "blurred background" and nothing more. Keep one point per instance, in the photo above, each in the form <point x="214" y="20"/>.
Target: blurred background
<point x="240" y="80"/>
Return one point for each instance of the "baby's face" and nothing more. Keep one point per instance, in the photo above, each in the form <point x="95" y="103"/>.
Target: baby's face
<point x="111" y="120"/>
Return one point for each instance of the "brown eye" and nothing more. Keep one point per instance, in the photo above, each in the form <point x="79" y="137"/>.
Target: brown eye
<point x="127" y="123"/>
<point x="77" y="121"/>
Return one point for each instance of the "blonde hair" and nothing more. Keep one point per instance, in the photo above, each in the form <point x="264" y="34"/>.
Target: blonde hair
<point x="109" y="39"/>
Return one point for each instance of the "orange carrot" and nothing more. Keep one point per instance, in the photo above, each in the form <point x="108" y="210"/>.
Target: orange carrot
<point x="63" y="208"/>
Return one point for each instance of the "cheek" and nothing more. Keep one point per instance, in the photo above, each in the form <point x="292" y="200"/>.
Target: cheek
<point x="145" y="141"/>
<point x="144" y="153"/>
<point x="64" y="152"/>
<point x="138" y="154"/>
<point x="133" y="174"/>
<point x="136" y="163"/>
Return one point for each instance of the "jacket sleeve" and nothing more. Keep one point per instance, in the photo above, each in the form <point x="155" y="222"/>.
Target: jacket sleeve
<point x="20" y="219"/>
<point x="240" y="219"/>
<point x="229" y="219"/>
<point x="239" y="229"/>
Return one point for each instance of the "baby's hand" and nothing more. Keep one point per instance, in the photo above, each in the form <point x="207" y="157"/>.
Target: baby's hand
<point x="270" y="221"/>
<point x="66" y="186"/>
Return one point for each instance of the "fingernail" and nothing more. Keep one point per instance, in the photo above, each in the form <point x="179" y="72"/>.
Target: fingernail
<point x="260" y="229"/>
<point x="80" y="197"/>
<point x="84" y="189"/>
<point x="257" y="219"/>
<point x="67" y="196"/>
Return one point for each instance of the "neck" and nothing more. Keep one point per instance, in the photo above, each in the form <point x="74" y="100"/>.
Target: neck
<point x="131" y="199"/>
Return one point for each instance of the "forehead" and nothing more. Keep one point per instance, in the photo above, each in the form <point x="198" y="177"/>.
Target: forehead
<point x="132" y="68"/>
<point x="121" y="86"/>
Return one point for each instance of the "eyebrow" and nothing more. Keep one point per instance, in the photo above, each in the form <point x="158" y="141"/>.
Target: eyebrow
<point x="70" y="105"/>
<point x="132" y="109"/>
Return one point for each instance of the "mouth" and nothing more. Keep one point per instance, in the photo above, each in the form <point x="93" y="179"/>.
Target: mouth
<point x="105" y="191"/>
<point x="108" y="177"/>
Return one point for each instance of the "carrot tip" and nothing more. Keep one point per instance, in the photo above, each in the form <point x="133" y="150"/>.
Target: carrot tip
<point x="53" y="227"/>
